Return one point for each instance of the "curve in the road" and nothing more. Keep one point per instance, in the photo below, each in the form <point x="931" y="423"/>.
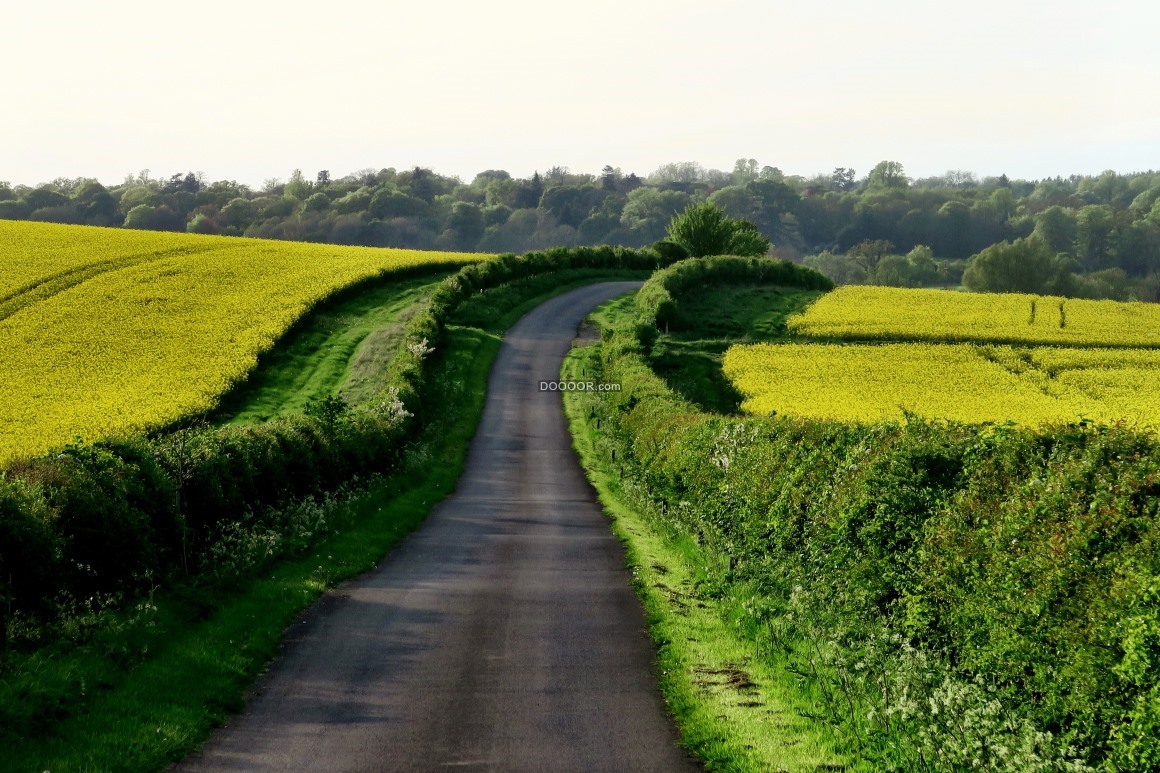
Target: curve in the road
<point x="502" y="635"/>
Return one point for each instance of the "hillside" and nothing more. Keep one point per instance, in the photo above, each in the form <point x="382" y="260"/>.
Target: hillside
<point x="106" y="331"/>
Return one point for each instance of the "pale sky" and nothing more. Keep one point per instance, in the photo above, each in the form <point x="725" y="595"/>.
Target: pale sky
<point x="250" y="89"/>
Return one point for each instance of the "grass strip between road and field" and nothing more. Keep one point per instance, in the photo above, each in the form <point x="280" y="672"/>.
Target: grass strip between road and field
<point x="344" y="347"/>
<point x="734" y="710"/>
<point x="151" y="691"/>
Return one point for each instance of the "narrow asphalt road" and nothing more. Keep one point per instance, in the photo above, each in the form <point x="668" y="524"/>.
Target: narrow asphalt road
<point x="503" y="635"/>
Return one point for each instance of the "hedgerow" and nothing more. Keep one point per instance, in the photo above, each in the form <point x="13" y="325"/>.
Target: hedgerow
<point x="967" y="596"/>
<point x="120" y="517"/>
<point x="656" y="301"/>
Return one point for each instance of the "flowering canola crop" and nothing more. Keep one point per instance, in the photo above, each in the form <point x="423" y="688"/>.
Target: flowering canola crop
<point x="965" y="357"/>
<point x="890" y="313"/>
<point x="164" y="326"/>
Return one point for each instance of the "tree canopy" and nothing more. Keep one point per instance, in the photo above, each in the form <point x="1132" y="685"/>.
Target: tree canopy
<point x="1091" y="225"/>
<point x="703" y="229"/>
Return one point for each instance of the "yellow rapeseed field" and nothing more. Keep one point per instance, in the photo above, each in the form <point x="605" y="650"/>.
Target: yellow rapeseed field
<point x="888" y="313"/>
<point x="35" y="252"/>
<point x="868" y="383"/>
<point x="38" y="260"/>
<point x="162" y="331"/>
<point x="960" y="356"/>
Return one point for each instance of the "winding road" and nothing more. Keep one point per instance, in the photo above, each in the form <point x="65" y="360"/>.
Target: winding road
<point x="503" y="635"/>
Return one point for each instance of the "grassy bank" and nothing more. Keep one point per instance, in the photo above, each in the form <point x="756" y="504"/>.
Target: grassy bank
<point x="344" y="348"/>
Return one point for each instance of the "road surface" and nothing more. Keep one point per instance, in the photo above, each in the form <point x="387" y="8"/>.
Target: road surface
<point x="503" y="635"/>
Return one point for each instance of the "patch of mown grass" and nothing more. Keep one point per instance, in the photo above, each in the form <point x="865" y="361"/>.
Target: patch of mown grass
<point x="344" y="348"/>
<point x="611" y="312"/>
<point x="736" y="711"/>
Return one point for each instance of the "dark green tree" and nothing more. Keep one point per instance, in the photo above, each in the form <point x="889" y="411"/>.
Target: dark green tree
<point x="889" y="175"/>
<point x="1022" y="266"/>
<point x="96" y="204"/>
<point x="44" y="197"/>
<point x="869" y="252"/>
<point x="1055" y="227"/>
<point x="703" y="229"/>
<point x="843" y="179"/>
<point x="1093" y="242"/>
<point x="465" y="225"/>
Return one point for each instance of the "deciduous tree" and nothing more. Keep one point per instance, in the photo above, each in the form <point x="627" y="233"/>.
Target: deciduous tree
<point x="703" y="229"/>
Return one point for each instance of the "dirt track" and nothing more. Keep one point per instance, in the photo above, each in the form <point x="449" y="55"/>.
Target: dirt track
<point x="502" y="635"/>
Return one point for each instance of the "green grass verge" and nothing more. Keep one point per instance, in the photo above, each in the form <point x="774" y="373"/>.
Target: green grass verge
<point x="736" y="711"/>
<point x="149" y="687"/>
<point x="740" y="705"/>
<point x="344" y="348"/>
<point x="611" y="312"/>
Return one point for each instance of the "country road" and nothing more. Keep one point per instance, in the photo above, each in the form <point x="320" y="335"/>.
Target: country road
<point x="503" y="635"/>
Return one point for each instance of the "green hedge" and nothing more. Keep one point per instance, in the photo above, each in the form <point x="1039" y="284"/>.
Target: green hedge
<point x="1024" y="566"/>
<point x="657" y="304"/>
<point x="125" y="515"/>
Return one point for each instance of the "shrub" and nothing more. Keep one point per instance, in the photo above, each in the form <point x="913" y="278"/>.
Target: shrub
<point x="671" y="250"/>
<point x="703" y="229"/>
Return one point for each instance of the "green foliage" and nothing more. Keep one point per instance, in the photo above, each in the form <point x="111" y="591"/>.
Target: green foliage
<point x="1104" y="221"/>
<point x="703" y="229"/>
<point x="14" y="210"/>
<point x="1134" y="743"/>
<point x="840" y="269"/>
<point x="656" y="302"/>
<point x="201" y="224"/>
<point x="747" y="240"/>
<point x="29" y="552"/>
<point x="915" y="269"/>
<point x="647" y="210"/>
<point x="1055" y="227"/>
<point x="318" y="202"/>
<point x="977" y="596"/>
<point x="465" y="226"/>
<point x="140" y="217"/>
<point x="1094" y="244"/>
<point x="44" y="197"/>
<point x="670" y="250"/>
<point x="387" y="203"/>
<point x="298" y="187"/>
<point x="1025" y="266"/>
<point x="869" y="251"/>
<point x="327" y="411"/>
<point x="888" y="175"/>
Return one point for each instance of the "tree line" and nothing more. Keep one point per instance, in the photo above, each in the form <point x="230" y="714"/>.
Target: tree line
<point x="1096" y="235"/>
